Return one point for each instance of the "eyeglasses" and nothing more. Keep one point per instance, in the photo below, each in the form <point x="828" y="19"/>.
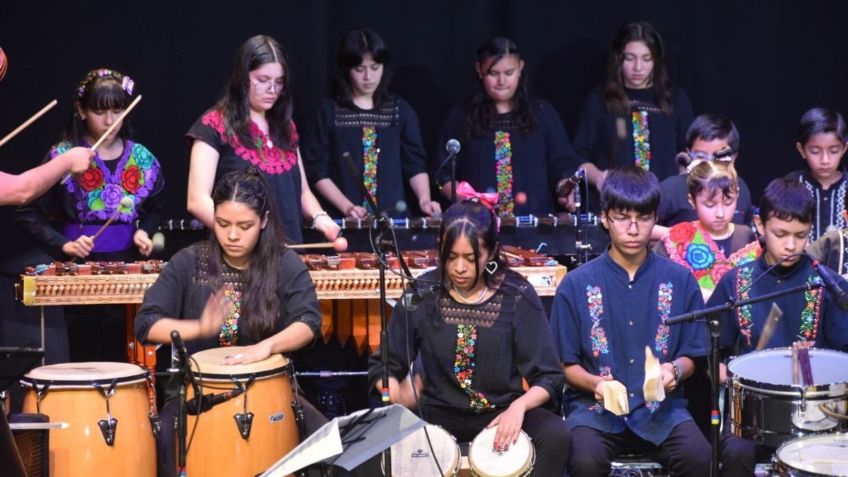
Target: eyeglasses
<point x="267" y="86"/>
<point x="722" y="155"/>
<point x="626" y="222"/>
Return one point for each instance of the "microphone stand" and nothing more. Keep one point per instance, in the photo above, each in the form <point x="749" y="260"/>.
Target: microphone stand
<point x="713" y="315"/>
<point x="184" y="373"/>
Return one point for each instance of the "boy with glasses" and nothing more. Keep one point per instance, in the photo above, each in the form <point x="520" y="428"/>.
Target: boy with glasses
<point x="604" y="315"/>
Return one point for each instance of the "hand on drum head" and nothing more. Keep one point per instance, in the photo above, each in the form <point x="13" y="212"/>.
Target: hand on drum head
<point x="216" y="310"/>
<point x="509" y="425"/>
<point x="250" y="354"/>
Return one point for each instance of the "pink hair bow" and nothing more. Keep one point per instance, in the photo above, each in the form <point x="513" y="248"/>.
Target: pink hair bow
<point x="465" y="191"/>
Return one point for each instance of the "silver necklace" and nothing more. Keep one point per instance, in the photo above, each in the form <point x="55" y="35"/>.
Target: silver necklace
<point x="481" y="296"/>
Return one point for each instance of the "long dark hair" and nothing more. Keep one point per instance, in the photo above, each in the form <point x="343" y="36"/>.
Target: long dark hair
<point x="475" y="221"/>
<point x="614" y="95"/>
<point x="352" y="50"/>
<point x="260" y="304"/>
<point x="481" y="108"/>
<point x="101" y="89"/>
<point x="255" y="52"/>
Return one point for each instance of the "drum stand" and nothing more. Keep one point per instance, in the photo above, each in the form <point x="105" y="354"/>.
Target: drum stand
<point x="712" y="315"/>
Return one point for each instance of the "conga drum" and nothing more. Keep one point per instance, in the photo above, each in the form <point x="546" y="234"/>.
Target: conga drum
<point x="248" y="433"/>
<point x="106" y="406"/>
<point x="485" y="461"/>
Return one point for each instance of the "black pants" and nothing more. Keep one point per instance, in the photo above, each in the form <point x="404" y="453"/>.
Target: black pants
<point x="739" y="456"/>
<point x="684" y="452"/>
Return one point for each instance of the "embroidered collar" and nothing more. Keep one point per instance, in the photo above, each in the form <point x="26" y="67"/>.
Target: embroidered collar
<point x="263" y="154"/>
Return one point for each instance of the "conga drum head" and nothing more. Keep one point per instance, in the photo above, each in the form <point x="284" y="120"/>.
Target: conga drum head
<point x="209" y="363"/>
<point x="106" y="407"/>
<point x="813" y="456"/>
<point x="486" y="462"/>
<point x="411" y="457"/>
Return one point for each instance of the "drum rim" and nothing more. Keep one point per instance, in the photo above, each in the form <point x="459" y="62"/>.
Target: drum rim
<point x="780" y="464"/>
<point x="784" y="389"/>
<point x="202" y="376"/>
<point x="457" y="462"/>
<point x="530" y="463"/>
<point x="136" y="378"/>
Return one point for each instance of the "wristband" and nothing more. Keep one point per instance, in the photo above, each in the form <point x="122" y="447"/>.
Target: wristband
<point x="678" y="371"/>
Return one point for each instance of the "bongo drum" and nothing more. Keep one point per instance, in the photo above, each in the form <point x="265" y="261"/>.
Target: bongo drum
<point x="813" y="456"/>
<point x="248" y="433"/>
<point x="767" y="408"/>
<point x="106" y="406"/>
<point x="518" y="461"/>
<point x="411" y="457"/>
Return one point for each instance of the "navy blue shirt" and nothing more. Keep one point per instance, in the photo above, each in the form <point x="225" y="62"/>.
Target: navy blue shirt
<point x="603" y="321"/>
<point x="830" y="203"/>
<point x="823" y="323"/>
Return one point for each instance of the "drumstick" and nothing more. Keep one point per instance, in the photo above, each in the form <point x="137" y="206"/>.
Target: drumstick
<point x="340" y="245"/>
<point x="775" y="313"/>
<point x="26" y="123"/>
<point x="126" y="203"/>
<point x="111" y="128"/>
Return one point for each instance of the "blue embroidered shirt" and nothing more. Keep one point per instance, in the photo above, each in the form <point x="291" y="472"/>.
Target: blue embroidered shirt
<point x="602" y="321"/>
<point x="810" y="315"/>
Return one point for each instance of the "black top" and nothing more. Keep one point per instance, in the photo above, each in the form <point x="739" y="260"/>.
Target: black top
<point x="540" y="158"/>
<point x="339" y="129"/>
<point x="595" y="139"/>
<point x="830" y="203"/>
<point x="279" y="167"/>
<point x="830" y="250"/>
<point x="183" y="287"/>
<point x="675" y="207"/>
<point x="508" y="337"/>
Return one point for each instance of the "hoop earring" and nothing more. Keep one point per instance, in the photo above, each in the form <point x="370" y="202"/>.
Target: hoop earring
<point x="491" y="267"/>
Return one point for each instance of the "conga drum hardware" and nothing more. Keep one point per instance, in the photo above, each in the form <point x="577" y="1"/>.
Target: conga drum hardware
<point x="108" y="426"/>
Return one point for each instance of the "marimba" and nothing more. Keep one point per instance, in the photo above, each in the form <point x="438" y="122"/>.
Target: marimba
<point x="347" y="286"/>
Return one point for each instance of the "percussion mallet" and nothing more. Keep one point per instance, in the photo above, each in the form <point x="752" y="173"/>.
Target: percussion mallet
<point x="158" y="242"/>
<point x="26" y="123"/>
<point x="126" y="203"/>
<point x="111" y="128"/>
<point x="339" y="245"/>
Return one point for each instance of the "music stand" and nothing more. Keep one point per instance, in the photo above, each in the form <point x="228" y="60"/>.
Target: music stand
<point x="14" y="362"/>
<point x="350" y="440"/>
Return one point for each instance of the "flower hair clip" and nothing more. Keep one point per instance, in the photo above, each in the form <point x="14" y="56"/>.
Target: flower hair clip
<point x="127" y="83"/>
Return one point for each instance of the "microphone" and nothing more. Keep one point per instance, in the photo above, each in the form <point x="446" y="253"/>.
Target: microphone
<point x="202" y="403"/>
<point x="840" y="296"/>
<point x="453" y="147"/>
<point x="565" y="187"/>
<point x="412" y="298"/>
<point x="182" y="357"/>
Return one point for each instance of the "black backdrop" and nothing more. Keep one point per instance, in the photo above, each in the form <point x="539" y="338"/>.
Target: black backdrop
<point x="763" y="63"/>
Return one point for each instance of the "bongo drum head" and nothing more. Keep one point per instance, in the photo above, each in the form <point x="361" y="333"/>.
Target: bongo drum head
<point x="411" y="457"/>
<point x="486" y="462"/>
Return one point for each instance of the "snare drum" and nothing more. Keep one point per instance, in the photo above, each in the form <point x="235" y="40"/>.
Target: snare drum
<point x="767" y="408"/>
<point x="518" y="461"/>
<point x="248" y="433"/>
<point x="106" y="406"/>
<point x="813" y="456"/>
<point x="411" y="457"/>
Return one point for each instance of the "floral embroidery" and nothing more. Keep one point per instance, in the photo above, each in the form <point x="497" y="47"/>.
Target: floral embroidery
<point x="664" y="296"/>
<point x="653" y="405"/>
<point x="811" y="313"/>
<point x="98" y="191"/>
<point x="688" y="244"/>
<point x="370" y="153"/>
<point x="464" y="364"/>
<point x="641" y="139"/>
<point x="598" y="335"/>
<point x="229" y="328"/>
<point x="743" y="313"/>
<point x="598" y="407"/>
<point x="266" y="156"/>
<point x="503" y="160"/>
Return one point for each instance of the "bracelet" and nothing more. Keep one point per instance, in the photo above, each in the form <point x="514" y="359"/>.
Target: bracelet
<point x="322" y="213"/>
<point x="678" y="371"/>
